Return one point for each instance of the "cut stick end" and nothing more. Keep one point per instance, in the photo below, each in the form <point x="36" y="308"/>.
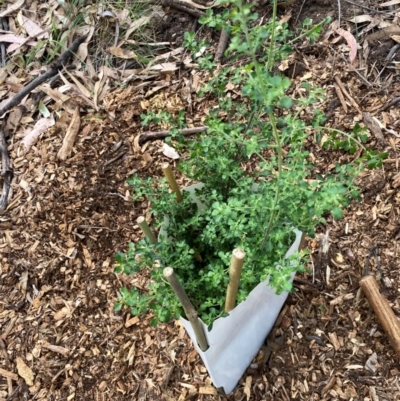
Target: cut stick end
<point x="238" y="253"/>
<point x="165" y="166"/>
<point x="140" y="220"/>
<point x="168" y="271"/>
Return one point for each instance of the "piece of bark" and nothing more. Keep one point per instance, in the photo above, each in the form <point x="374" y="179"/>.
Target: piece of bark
<point x="56" y="348"/>
<point x="6" y="373"/>
<point x="70" y="135"/>
<point x="373" y="126"/>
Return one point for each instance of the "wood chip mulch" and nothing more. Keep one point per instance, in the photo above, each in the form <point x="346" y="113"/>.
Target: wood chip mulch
<point x="59" y="336"/>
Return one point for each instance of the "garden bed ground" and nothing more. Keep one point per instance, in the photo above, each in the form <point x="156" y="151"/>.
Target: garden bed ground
<point x="67" y="219"/>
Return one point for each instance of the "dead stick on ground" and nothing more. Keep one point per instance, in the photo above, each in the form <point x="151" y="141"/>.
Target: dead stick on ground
<point x="182" y="6"/>
<point x="222" y="45"/>
<point x="383" y="311"/>
<point x="190" y="312"/>
<point x="343" y="89"/>
<point x="7" y="171"/>
<point x="235" y="271"/>
<point x="147" y="136"/>
<point x="341" y="98"/>
<point x="390" y="104"/>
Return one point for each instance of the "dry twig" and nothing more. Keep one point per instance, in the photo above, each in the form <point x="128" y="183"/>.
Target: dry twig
<point x="343" y="89"/>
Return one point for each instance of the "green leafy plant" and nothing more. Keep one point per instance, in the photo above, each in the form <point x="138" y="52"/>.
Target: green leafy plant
<point x="257" y="139"/>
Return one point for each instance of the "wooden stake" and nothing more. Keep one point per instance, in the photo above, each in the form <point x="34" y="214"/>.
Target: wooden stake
<point x="235" y="270"/>
<point x="172" y="182"/>
<point x="146" y="229"/>
<point x="383" y="311"/>
<point x="190" y="312"/>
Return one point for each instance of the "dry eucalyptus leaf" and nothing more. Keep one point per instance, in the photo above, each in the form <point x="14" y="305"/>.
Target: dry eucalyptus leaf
<point x="351" y="41"/>
<point x="389" y="3"/>
<point x="31" y="28"/>
<point x="121" y="53"/>
<point x="12" y="8"/>
<point x="396" y="38"/>
<point x="361" y="18"/>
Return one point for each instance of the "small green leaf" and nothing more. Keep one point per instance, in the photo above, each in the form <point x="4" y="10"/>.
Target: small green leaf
<point x="119" y="257"/>
<point x="44" y="111"/>
<point x="337" y="213"/>
<point x="286" y="102"/>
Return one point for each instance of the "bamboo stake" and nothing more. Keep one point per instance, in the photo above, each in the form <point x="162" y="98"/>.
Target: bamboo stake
<point x="383" y="311"/>
<point x="235" y="270"/>
<point x="190" y="312"/>
<point x="171" y="180"/>
<point x="146" y="229"/>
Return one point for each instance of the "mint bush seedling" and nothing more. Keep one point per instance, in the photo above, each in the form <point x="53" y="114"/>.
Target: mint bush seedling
<point x="260" y="140"/>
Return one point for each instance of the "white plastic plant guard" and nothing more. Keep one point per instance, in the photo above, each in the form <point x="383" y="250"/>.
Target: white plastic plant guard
<point x="236" y="339"/>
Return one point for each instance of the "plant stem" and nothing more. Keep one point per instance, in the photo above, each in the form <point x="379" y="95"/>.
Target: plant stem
<point x="275" y="132"/>
<point x="277" y="192"/>
<point x="271" y="57"/>
<point x="351" y="137"/>
<point x="306" y="32"/>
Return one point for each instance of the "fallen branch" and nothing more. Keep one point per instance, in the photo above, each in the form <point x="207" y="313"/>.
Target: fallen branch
<point x="182" y="6"/>
<point x="6" y="171"/>
<point x="147" y="136"/>
<point x="4" y="27"/>
<point x="390" y="104"/>
<point x="57" y="65"/>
